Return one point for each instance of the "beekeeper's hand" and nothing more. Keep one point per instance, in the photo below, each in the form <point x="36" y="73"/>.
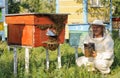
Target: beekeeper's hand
<point x="94" y="54"/>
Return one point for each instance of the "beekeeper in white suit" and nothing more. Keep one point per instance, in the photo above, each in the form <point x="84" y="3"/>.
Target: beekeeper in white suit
<point x="103" y="56"/>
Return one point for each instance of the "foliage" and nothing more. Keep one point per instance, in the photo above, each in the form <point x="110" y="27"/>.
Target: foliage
<point x="116" y="47"/>
<point x="39" y="5"/>
<point x="13" y="7"/>
<point x="26" y="6"/>
<point x="116" y="4"/>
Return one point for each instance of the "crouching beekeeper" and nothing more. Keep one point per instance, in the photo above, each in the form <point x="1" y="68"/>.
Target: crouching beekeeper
<point x="97" y="48"/>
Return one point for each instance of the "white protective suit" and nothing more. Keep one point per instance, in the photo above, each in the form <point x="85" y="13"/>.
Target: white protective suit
<point x="104" y="48"/>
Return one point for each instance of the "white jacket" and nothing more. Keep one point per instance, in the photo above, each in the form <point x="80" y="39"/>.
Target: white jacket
<point x="103" y="46"/>
<point x="105" y="54"/>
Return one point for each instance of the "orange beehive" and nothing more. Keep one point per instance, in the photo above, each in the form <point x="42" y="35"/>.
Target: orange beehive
<point x="31" y="29"/>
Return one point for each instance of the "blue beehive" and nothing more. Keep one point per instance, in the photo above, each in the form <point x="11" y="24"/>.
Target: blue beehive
<point x="2" y="13"/>
<point x="77" y="33"/>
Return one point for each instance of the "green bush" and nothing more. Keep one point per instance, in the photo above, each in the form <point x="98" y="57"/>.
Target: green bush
<point x="116" y="48"/>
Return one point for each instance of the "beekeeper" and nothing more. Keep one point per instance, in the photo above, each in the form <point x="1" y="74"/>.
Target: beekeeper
<point x="103" y="56"/>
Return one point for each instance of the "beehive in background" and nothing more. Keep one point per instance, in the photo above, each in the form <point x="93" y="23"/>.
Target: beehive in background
<point x="72" y="7"/>
<point x="75" y="17"/>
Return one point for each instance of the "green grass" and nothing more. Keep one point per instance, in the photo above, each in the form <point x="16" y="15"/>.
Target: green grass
<point x="37" y="60"/>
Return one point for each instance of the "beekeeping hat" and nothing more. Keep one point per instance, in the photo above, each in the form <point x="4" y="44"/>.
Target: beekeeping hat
<point x="98" y="23"/>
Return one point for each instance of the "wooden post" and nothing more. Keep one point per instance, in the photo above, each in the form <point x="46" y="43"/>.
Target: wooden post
<point x="59" y="57"/>
<point x="26" y="60"/>
<point x="15" y="61"/>
<point x="8" y="48"/>
<point x="76" y="52"/>
<point x="47" y="59"/>
<point x="111" y="15"/>
<point x="85" y="11"/>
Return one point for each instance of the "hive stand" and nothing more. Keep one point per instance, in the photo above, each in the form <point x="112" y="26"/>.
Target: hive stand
<point x="58" y="57"/>
<point x="29" y="30"/>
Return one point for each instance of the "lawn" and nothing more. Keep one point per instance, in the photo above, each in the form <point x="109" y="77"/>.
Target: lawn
<point x="37" y="60"/>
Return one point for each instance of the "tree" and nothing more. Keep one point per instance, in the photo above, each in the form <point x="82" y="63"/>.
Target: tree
<point x="41" y="5"/>
<point x="37" y="6"/>
<point x="116" y="5"/>
<point x="13" y="7"/>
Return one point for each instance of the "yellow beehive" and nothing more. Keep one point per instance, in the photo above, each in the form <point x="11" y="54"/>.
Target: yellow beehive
<point x="70" y="6"/>
<point x="1" y="26"/>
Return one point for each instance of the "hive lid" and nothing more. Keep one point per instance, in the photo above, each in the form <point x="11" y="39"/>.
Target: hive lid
<point x="37" y="14"/>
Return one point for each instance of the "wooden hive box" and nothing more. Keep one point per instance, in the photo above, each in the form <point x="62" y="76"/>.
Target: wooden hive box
<point x="30" y="29"/>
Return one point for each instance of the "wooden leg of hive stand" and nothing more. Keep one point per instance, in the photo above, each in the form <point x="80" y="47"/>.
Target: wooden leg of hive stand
<point x="15" y="61"/>
<point x="9" y="48"/>
<point x="76" y="52"/>
<point x="26" y="60"/>
<point x="47" y="59"/>
<point x="59" y="57"/>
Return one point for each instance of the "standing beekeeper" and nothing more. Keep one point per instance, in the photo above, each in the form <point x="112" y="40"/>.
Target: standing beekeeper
<point x="103" y="55"/>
